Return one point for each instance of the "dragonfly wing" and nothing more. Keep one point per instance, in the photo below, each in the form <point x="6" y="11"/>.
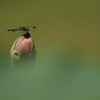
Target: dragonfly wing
<point x="30" y="27"/>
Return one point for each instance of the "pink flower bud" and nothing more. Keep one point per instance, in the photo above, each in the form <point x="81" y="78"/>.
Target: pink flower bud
<point x="23" y="52"/>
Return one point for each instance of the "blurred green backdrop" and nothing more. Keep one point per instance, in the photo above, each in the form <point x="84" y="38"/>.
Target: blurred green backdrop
<point x="68" y="52"/>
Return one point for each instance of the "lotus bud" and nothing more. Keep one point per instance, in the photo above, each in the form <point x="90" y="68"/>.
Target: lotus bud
<point x="23" y="52"/>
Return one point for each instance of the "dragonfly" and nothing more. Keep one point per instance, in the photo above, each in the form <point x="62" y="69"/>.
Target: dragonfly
<point x="23" y="29"/>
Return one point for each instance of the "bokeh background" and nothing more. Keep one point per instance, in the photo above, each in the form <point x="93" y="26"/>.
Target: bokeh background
<point x="67" y="41"/>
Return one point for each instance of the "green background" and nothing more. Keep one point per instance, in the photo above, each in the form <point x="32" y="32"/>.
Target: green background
<point x="68" y="51"/>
